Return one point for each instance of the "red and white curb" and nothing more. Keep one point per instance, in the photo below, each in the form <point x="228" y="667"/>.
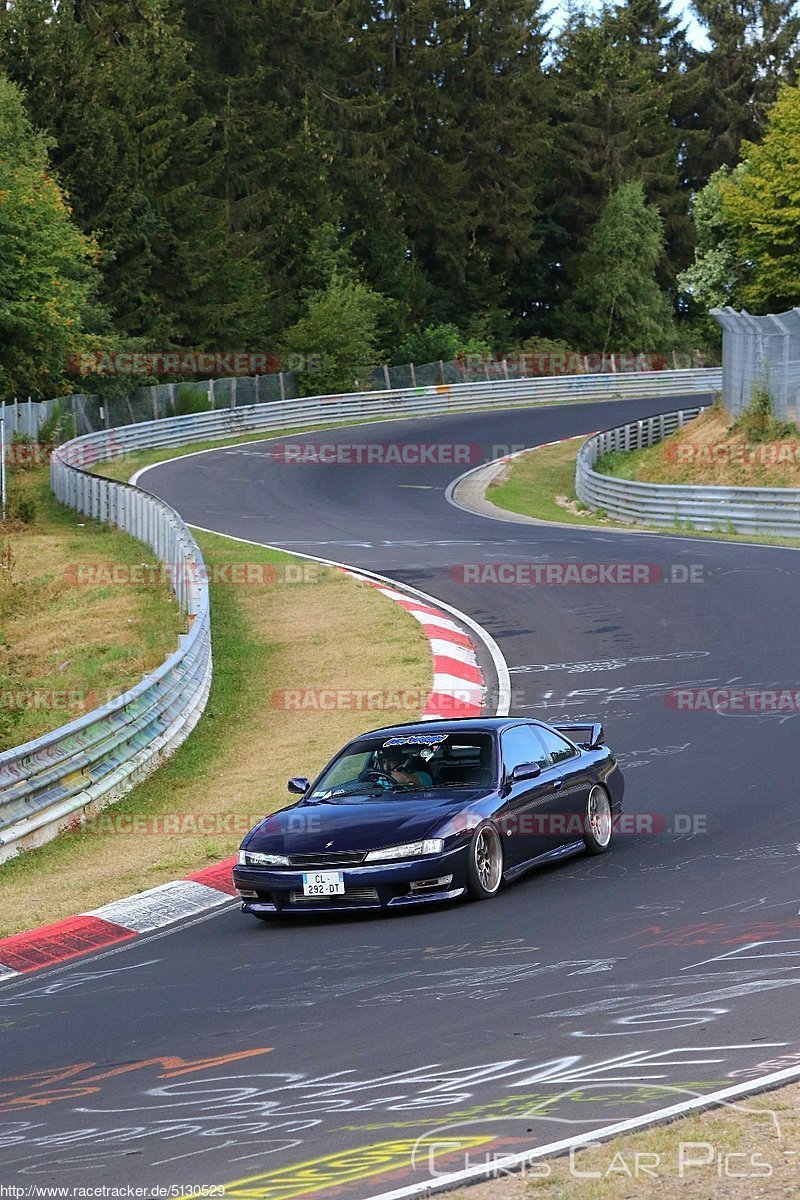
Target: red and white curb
<point x="458" y="691"/>
<point x="117" y="921"/>
<point x="458" y="687"/>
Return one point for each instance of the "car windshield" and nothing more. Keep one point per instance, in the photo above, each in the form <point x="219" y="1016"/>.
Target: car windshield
<point x="404" y="763"/>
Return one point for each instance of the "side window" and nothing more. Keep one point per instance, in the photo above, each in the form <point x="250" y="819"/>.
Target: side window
<point x="521" y="745"/>
<point x="556" y="747"/>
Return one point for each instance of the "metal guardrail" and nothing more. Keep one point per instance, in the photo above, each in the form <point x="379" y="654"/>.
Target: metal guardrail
<point x="430" y="401"/>
<point x="47" y="783"/>
<point x="727" y="509"/>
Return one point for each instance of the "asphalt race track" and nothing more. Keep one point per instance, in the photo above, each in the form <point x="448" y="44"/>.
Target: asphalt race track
<point x="347" y="1057"/>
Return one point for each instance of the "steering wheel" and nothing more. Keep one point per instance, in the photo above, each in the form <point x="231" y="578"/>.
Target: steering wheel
<point x="374" y="773"/>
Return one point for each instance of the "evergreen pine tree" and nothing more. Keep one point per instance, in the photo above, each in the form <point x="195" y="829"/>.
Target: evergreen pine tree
<point x="112" y="84"/>
<point x="754" y="48"/>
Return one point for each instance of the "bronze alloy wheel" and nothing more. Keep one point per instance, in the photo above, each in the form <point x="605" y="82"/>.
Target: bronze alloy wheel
<point x="485" y="868"/>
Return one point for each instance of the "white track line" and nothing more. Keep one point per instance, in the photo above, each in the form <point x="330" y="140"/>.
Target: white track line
<point x="498" y="662"/>
<point x="512" y="1162"/>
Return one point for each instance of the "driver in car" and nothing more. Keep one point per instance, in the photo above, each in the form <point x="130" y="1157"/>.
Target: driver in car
<point x="390" y="761"/>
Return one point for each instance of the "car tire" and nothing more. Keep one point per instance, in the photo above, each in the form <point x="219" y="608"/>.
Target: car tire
<point x="485" y="863"/>
<point x="598" y="821"/>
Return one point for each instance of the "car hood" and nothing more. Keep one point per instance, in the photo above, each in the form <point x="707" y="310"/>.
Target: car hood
<point x="367" y="824"/>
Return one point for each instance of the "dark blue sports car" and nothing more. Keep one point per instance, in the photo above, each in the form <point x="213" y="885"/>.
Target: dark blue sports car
<point x="432" y="811"/>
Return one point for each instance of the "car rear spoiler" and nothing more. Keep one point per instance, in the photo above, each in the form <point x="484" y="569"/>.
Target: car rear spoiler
<point x="590" y="735"/>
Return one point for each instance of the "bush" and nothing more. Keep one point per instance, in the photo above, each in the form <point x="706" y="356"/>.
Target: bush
<point x="22" y="508"/>
<point x="438" y="343"/>
<point x="336" y="340"/>
<point x="20" y="505"/>
<point x="190" y="398"/>
<point x="758" y="422"/>
<point x="57" y="428"/>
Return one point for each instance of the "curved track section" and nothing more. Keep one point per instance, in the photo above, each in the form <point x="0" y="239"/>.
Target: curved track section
<point x="351" y="1057"/>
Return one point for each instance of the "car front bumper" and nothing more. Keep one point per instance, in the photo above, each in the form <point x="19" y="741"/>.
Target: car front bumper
<point x="373" y="886"/>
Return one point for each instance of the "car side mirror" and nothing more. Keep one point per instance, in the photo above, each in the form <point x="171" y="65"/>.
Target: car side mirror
<point x="525" y="771"/>
<point x="298" y="786"/>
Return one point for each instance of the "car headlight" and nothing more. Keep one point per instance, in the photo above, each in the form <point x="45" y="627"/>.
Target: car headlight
<point x="407" y="850"/>
<point x="255" y="858"/>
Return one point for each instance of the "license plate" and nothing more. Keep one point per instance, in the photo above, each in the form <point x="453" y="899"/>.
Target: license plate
<point x="323" y="883"/>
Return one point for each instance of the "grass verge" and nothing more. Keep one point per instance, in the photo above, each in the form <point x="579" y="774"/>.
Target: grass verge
<point x="750" y="1149"/>
<point x="541" y="484"/>
<point x="66" y="646"/>
<point x="711" y="451"/>
<point x="267" y="636"/>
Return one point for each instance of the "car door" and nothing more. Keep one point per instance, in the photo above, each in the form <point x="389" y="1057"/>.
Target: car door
<point x="526" y="815"/>
<point x="567" y="822"/>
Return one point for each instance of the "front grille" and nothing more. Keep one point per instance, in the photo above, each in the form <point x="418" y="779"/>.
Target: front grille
<point x="327" y="858"/>
<point x="362" y="895"/>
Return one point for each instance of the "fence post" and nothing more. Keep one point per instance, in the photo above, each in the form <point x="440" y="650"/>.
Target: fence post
<point x="232" y="401"/>
<point x="413" y="375"/>
<point x="282" y="384"/>
<point x="211" y="403"/>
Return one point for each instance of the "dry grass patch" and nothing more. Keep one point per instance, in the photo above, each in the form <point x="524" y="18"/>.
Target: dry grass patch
<point x="66" y="647"/>
<point x="541" y="484"/>
<point x="709" y="450"/>
<point x="760" y="1136"/>
<point x="329" y="632"/>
